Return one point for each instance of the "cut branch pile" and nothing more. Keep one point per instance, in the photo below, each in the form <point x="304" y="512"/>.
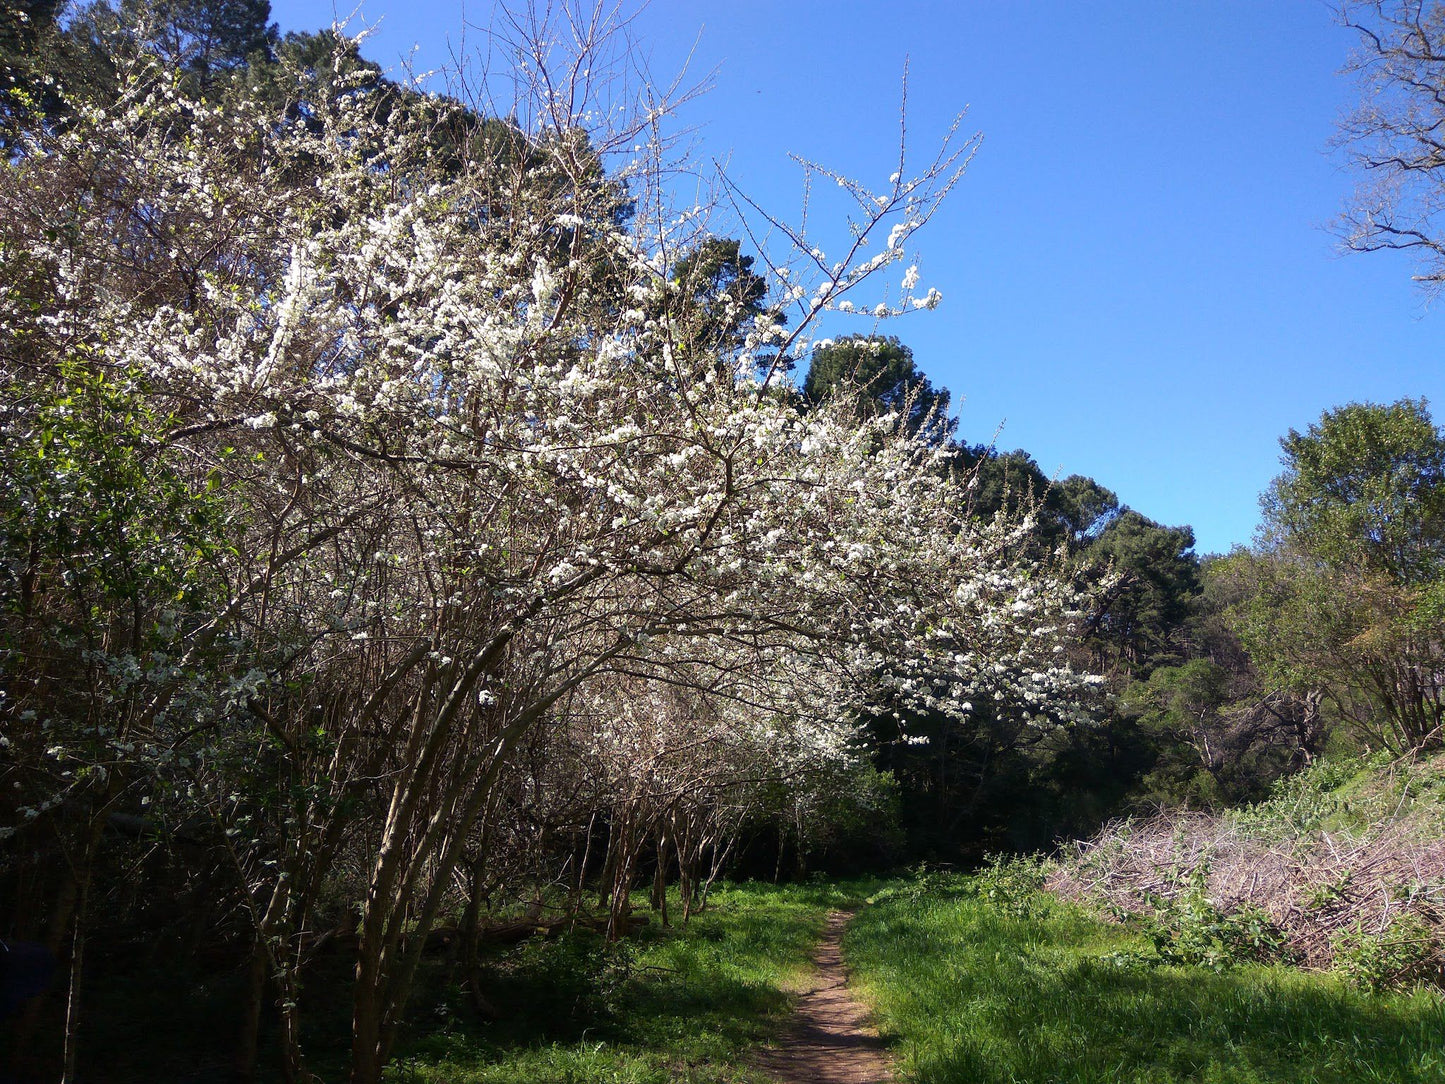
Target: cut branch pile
<point x="1382" y="877"/>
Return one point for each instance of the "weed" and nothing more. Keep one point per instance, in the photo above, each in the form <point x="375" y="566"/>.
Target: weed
<point x="1012" y="884"/>
<point x="1190" y="929"/>
<point x="1403" y="953"/>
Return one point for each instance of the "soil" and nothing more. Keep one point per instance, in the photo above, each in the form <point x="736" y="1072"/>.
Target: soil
<point x="830" y="1040"/>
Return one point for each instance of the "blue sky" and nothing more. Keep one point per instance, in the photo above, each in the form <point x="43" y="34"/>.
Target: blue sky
<point x="1138" y="280"/>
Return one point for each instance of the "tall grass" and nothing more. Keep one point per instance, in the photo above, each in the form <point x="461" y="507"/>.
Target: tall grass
<point x="1026" y="989"/>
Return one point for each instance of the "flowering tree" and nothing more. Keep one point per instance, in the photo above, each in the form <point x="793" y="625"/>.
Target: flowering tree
<point x="437" y="442"/>
<point x="684" y="748"/>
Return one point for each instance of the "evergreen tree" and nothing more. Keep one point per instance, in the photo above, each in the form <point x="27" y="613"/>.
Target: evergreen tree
<point x="205" y="37"/>
<point x="880" y="373"/>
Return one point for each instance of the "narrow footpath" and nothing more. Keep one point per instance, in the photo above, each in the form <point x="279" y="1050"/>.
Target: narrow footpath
<point x="830" y="1040"/>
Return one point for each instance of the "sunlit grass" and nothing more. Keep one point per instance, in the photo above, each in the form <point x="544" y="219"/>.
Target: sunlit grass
<point x="971" y="994"/>
<point x="678" y="1005"/>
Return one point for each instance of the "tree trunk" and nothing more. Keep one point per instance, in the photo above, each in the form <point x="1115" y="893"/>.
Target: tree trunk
<point x="293" y="1065"/>
<point x="250" y="1040"/>
<point x="366" y="1010"/>
<point x="659" y="880"/>
<point x="472" y="916"/>
<point x="61" y="914"/>
<point x="71" y="1048"/>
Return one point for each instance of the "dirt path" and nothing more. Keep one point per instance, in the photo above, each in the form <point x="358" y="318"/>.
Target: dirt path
<point x="830" y="1041"/>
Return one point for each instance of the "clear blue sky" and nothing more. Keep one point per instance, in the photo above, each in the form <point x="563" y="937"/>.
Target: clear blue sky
<point x="1137" y="278"/>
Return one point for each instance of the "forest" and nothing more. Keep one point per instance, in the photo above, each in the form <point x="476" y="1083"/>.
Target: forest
<point x="452" y="596"/>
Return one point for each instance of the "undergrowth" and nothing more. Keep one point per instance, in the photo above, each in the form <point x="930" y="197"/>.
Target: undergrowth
<point x="665" y="1007"/>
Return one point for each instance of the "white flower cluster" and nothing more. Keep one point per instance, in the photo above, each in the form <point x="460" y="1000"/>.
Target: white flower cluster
<point x="482" y="464"/>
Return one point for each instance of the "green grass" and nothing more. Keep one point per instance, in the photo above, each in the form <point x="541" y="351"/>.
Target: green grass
<point x="1035" y="991"/>
<point x="976" y="981"/>
<point x="669" y="1006"/>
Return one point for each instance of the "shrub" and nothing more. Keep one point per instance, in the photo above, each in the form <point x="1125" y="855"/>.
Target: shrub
<point x="1404" y="952"/>
<point x="1012" y="884"/>
<point x="1191" y="929"/>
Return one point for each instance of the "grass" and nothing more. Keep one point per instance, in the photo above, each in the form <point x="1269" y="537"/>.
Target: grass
<point x="667" y="1007"/>
<point x="682" y="1005"/>
<point x="979" y="980"/>
<point x="1026" y="989"/>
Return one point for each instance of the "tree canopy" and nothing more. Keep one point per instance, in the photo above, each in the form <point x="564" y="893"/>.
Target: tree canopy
<point x="1364" y="487"/>
<point x="1348" y="589"/>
